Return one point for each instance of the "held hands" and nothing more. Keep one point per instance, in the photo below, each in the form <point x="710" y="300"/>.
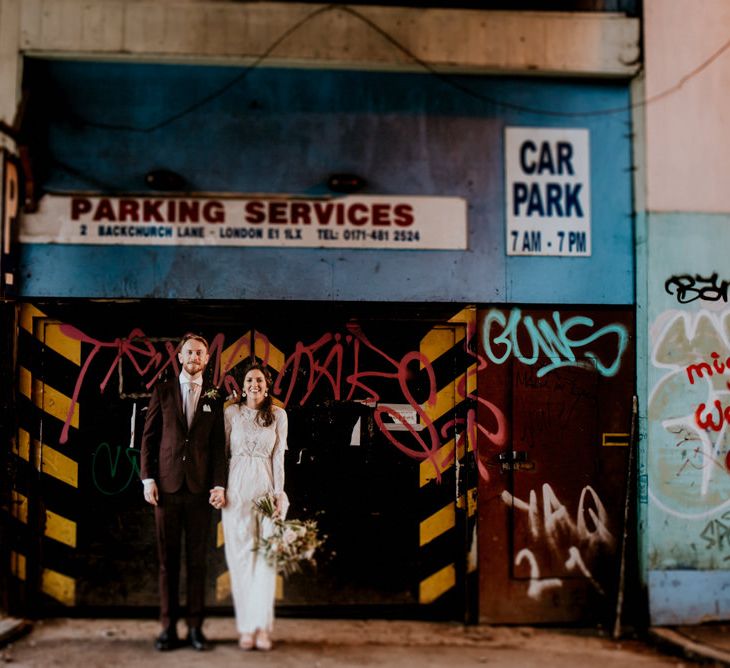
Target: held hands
<point x="150" y="492"/>
<point x="217" y="497"/>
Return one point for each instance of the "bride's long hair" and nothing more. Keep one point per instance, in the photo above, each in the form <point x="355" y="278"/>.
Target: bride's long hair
<point x="265" y="414"/>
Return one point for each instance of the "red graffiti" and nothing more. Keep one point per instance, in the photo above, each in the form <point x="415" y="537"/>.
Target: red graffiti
<point x="428" y="451"/>
<point x="707" y="422"/>
<point x="306" y="355"/>
<point x="496" y="440"/>
<point x="702" y="369"/>
<point x="323" y="361"/>
<point x="322" y="364"/>
<point x="131" y="347"/>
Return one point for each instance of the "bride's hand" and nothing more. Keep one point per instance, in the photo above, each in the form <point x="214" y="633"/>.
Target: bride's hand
<point x="281" y="505"/>
<point x="217" y="498"/>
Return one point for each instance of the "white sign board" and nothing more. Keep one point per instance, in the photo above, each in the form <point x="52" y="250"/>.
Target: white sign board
<point x="547" y="177"/>
<point x="345" y="222"/>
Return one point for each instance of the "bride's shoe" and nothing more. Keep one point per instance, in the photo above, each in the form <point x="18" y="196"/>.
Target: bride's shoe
<point x="263" y="641"/>
<point x="246" y="641"/>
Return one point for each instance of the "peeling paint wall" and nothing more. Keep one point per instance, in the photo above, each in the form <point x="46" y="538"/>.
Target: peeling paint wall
<point x="102" y="127"/>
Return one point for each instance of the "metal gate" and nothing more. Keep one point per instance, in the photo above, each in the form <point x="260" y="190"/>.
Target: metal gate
<point x="377" y="397"/>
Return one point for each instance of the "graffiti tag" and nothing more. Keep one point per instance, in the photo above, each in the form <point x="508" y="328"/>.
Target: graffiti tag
<point x="552" y="343"/>
<point x="112" y="473"/>
<point x="716" y="533"/>
<point x="688" y="288"/>
<point x="555" y="524"/>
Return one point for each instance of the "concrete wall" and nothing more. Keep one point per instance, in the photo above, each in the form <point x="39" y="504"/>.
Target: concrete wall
<point x="687" y="76"/>
<point x="285" y="131"/>
<point x="687" y="446"/>
<point x="467" y="131"/>
<point x="309" y="107"/>
<point x="586" y="44"/>
<point x="684" y="206"/>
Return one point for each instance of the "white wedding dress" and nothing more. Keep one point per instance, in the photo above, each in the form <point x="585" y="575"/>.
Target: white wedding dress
<point x="256" y="468"/>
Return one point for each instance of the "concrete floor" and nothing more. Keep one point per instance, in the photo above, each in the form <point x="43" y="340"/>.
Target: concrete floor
<point x="330" y="643"/>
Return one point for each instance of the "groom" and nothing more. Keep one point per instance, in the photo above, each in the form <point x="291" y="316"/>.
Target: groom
<point x="183" y="457"/>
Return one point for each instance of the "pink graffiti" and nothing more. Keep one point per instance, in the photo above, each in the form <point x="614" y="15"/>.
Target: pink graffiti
<point x="495" y="440"/>
<point x="317" y="370"/>
<point x="317" y="364"/>
<point x="323" y="362"/>
<point x="427" y="451"/>
<point x="320" y="364"/>
<point x="135" y="344"/>
<point x="215" y="350"/>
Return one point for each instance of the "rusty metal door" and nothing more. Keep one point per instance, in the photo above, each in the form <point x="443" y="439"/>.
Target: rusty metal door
<point x="551" y="502"/>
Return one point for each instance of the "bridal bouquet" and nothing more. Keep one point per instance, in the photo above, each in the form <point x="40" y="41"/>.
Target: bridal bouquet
<point x="290" y="543"/>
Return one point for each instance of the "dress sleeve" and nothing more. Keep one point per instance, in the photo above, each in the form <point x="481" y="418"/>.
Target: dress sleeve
<point x="282" y="428"/>
<point x="227" y="416"/>
<point x="218" y="448"/>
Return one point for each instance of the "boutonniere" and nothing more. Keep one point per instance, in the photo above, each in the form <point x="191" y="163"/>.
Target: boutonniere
<point x="212" y="394"/>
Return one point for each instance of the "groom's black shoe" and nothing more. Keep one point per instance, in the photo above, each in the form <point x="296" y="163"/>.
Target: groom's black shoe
<point x="167" y="640"/>
<point x="197" y="639"/>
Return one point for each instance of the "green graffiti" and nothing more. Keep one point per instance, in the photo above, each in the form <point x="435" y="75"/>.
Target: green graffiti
<point x="108" y="465"/>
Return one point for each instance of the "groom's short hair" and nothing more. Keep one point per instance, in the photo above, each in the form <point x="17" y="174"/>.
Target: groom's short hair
<point x="193" y="337"/>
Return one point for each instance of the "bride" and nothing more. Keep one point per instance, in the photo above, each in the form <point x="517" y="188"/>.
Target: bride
<point x="256" y="432"/>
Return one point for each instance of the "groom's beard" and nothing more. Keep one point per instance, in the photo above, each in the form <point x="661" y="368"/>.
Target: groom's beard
<point x="194" y="369"/>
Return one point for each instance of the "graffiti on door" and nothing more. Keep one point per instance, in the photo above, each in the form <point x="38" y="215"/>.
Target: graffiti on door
<point x="574" y="539"/>
<point x="348" y="364"/>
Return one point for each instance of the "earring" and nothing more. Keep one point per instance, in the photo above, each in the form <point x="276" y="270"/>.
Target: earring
<point x="266" y="394"/>
<point x="243" y="395"/>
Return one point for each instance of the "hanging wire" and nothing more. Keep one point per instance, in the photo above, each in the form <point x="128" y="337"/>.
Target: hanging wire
<point x="217" y="93"/>
<point x="447" y="79"/>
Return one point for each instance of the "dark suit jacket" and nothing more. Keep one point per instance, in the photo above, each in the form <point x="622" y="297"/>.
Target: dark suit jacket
<point x="172" y="454"/>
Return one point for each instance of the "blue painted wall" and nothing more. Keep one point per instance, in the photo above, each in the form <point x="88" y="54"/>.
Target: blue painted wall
<point x="687" y="443"/>
<point x="286" y="131"/>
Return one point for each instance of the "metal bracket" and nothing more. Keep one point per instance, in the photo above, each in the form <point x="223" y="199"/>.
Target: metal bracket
<point x="515" y="460"/>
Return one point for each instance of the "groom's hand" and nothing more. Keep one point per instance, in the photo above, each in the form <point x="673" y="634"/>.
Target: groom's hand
<point x="150" y="492"/>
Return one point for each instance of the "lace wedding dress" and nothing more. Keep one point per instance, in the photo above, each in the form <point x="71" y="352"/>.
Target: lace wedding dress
<point x="256" y="468"/>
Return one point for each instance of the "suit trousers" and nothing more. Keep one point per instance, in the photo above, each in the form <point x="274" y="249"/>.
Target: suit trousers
<point x="176" y="515"/>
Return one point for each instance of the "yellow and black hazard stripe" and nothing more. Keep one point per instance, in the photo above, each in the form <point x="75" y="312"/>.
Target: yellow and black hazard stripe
<point x="45" y="494"/>
<point x="251" y="344"/>
<point x="448" y="496"/>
